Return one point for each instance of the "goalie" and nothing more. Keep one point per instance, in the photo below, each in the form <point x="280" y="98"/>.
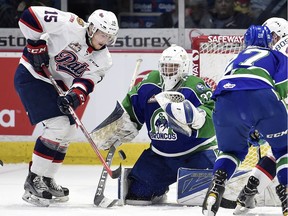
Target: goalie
<point x="177" y="110"/>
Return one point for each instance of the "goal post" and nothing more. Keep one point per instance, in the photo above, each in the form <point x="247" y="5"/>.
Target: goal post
<point x="210" y="55"/>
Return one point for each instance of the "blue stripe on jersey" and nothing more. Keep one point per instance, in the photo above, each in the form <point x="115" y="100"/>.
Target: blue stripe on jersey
<point x="30" y="20"/>
<point x="188" y="111"/>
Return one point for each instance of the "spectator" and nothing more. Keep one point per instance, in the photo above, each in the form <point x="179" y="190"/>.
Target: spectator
<point x="242" y="6"/>
<point x="224" y="15"/>
<point x="198" y="11"/>
<point x="262" y="10"/>
<point x="8" y="15"/>
<point x="193" y="15"/>
<point x="11" y="10"/>
<point x="168" y="19"/>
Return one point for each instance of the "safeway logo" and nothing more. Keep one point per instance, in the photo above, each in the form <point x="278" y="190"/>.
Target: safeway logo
<point x="225" y="39"/>
<point x="7" y="118"/>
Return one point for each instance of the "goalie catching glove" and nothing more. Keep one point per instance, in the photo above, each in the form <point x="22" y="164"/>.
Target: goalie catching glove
<point x="182" y="114"/>
<point x="116" y="129"/>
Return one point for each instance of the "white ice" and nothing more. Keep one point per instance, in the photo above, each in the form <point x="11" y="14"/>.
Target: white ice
<point x="82" y="182"/>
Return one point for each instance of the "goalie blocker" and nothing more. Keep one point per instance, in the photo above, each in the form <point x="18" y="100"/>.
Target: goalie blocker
<point x="192" y="185"/>
<point x="117" y="126"/>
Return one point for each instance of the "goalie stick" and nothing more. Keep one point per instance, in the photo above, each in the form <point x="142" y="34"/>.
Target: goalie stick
<point x="115" y="173"/>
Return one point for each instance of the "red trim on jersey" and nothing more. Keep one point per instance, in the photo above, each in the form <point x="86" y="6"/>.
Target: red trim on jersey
<point x="265" y="172"/>
<point x="39" y="29"/>
<point x="36" y="19"/>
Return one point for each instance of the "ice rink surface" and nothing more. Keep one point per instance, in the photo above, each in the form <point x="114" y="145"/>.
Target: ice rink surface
<point x="82" y="182"/>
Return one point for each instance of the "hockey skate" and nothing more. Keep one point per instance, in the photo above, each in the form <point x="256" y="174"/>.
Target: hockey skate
<point x="59" y="193"/>
<point x="281" y="191"/>
<point x="36" y="191"/>
<point x="246" y="198"/>
<point x="214" y="194"/>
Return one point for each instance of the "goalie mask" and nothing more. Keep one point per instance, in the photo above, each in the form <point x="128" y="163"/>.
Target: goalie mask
<point x="106" y="22"/>
<point x="174" y="65"/>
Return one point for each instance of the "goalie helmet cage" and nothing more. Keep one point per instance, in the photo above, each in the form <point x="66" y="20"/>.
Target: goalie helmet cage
<point x="210" y="55"/>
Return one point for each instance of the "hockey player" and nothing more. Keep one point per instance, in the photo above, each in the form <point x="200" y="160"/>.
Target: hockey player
<point x="265" y="170"/>
<point x="176" y="109"/>
<point x="251" y="91"/>
<point x="77" y="56"/>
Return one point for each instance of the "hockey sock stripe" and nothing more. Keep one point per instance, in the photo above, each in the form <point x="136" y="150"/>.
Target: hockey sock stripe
<point x="228" y="162"/>
<point x="263" y="170"/>
<point x="268" y="166"/>
<point x="229" y="157"/>
<point x="282" y="162"/>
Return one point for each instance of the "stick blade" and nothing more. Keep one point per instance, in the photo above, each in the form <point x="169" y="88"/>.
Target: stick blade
<point x="116" y="173"/>
<point x="104" y="202"/>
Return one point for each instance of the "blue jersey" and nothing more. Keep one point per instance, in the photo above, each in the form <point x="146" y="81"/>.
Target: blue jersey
<point x="255" y="68"/>
<point x="141" y="105"/>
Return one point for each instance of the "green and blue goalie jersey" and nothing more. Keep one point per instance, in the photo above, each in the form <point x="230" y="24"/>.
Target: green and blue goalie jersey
<point x="141" y="105"/>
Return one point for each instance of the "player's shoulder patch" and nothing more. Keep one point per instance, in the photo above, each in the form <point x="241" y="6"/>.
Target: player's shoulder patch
<point x="196" y="83"/>
<point x="80" y="21"/>
<point x="200" y="87"/>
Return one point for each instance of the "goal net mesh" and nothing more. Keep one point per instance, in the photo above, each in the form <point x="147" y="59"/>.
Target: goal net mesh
<point x="210" y="55"/>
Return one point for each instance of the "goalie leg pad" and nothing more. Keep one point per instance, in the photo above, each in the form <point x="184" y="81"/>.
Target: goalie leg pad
<point x="123" y="187"/>
<point x="192" y="185"/>
<point x="116" y="128"/>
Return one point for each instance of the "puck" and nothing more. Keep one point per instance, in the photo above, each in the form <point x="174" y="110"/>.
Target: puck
<point x="122" y="154"/>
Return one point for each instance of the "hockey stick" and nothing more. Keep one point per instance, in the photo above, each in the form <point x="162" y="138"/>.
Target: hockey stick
<point x="113" y="173"/>
<point x="99" y="198"/>
<point x="135" y="73"/>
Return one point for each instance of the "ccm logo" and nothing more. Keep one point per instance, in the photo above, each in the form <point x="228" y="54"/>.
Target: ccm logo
<point x="37" y="50"/>
<point x="7" y="118"/>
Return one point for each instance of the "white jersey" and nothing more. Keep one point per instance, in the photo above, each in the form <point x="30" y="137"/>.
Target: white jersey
<point x="70" y="55"/>
<point x="282" y="45"/>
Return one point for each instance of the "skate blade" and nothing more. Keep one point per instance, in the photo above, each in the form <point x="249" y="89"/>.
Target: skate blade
<point x="240" y="210"/>
<point x="210" y="202"/>
<point x="32" y="199"/>
<point x="59" y="199"/>
<point x="208" y="213"/>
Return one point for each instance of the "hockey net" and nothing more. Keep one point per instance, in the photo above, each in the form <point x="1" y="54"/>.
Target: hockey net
<point x="210" y="55"/>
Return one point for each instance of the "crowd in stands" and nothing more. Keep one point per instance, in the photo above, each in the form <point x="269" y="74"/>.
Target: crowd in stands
<point x="11" y="10"/>
<point x="236" y="14"/>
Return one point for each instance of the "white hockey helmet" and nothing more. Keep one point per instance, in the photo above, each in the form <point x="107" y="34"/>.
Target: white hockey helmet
<point x="277" y="25"/>
<point x="105" y="21"/>
<point x="174" y="64"/>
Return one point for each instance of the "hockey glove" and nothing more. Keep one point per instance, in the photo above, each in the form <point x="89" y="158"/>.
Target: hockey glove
<point x="256" y="138"/>
<point x="74" y="98"/>
<point x="37" y="54"/>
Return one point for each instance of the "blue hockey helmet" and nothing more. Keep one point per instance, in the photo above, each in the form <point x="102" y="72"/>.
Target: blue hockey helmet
<point x="257" y="35"/>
